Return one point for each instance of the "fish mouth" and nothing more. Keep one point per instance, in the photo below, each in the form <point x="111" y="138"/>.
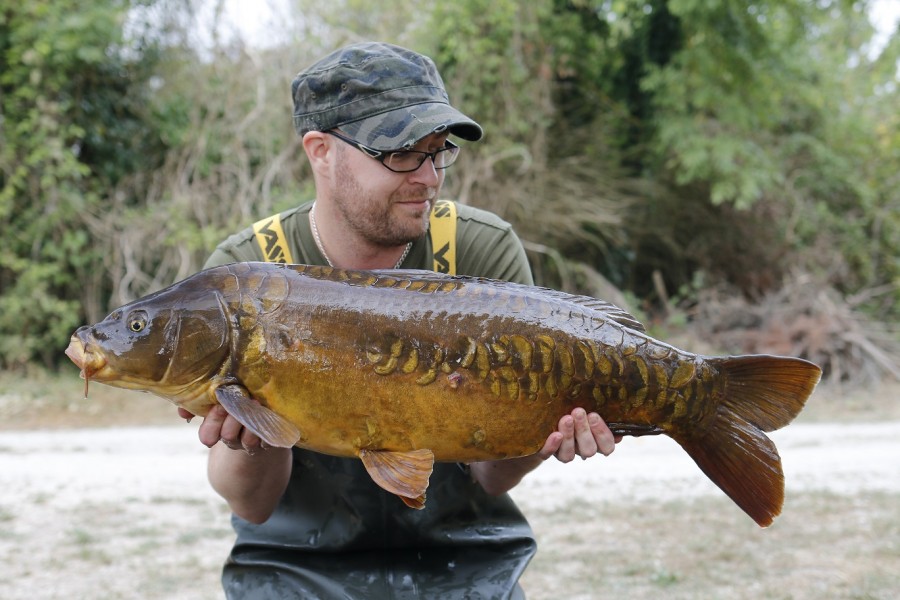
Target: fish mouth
<point x="90" y="362"/>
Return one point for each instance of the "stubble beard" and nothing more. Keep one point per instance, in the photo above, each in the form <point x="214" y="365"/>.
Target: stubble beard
<point x="372" y="218"/>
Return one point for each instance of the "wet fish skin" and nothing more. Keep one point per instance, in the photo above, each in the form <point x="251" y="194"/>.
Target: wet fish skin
<point x="402" y="368"/>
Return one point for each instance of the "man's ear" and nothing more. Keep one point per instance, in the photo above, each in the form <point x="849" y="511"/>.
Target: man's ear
<point x="318" y="148"/>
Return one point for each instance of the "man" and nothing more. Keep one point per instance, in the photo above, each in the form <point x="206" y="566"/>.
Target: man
<point x="376" y="121"/>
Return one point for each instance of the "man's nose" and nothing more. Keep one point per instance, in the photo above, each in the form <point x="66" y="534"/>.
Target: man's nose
<point x="426" y="173"/>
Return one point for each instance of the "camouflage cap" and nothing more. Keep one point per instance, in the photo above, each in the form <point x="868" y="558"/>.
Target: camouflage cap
<point x="383" y="96"/>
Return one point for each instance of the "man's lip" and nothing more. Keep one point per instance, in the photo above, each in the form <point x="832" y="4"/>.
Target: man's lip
<point x="416" y="203"/>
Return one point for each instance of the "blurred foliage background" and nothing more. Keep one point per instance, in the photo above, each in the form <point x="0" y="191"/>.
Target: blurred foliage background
<point x="723" y="167"/>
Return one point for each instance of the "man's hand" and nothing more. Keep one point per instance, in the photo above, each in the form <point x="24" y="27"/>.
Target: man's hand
<point x="218" y="425"/>
<point x="579" y="434"/>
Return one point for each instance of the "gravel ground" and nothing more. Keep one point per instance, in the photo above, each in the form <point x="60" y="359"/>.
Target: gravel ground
<point x="127" y="512"/>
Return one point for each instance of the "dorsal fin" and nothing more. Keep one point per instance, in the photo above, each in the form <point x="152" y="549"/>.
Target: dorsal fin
<point x="609" y="310"/>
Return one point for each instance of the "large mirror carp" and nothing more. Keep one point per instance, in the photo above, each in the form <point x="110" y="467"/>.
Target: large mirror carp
<point x="404" y="368"/>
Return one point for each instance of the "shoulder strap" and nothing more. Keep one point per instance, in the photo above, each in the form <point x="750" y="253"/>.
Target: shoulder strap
<point x="271" y="240"/>
<point x="443" y="236"/>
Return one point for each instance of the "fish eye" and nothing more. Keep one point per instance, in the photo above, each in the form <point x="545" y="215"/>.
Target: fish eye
<point x="137" y="322"/>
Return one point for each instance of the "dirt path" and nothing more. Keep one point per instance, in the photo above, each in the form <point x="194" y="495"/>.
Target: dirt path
<point x="127" y="512"/>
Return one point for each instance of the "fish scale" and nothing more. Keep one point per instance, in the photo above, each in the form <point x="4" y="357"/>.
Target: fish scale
<point x="405" y="368"/>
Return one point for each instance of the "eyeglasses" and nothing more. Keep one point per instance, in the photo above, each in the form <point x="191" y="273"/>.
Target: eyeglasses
<point x="405" y="161"/>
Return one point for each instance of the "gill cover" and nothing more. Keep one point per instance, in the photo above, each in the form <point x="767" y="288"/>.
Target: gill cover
<point x="199" y="340"/>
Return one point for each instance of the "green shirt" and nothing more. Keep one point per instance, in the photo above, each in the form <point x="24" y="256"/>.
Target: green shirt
<point x="335" y="533"/>
<point x="486" y="246"/>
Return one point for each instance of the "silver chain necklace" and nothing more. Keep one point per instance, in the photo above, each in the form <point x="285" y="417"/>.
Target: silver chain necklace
<point x="318" y="240"/>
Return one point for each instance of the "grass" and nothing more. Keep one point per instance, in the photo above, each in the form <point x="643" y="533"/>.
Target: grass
<point x="38" y="399"/>
<point x="824" y="546"/>
<point x="140" y="550"/>
<point x="832" y="403"/>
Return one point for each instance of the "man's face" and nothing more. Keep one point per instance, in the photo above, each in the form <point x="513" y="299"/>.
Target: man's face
<point x="386" y="208"/>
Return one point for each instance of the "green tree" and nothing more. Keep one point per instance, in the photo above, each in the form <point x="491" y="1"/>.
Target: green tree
<point x="72" y="125"/>
<point x="725" y="139"/>
<point x="773" y="107"/>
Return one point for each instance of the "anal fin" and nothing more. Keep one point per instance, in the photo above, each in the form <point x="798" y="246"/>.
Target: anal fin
<point x="404" y="474"/>
<point x="271" y="427"/>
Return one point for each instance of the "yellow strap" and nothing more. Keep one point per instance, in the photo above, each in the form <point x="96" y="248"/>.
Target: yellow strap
<point x="272" y="242"/>
<point x="270" y="236"/>
<point x="443" y="236"/>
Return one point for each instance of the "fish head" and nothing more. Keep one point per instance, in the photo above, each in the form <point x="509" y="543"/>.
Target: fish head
<point x="168" y="343"/>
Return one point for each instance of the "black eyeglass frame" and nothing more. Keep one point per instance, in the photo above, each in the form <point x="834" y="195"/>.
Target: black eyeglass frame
<point x="384" y="155"/>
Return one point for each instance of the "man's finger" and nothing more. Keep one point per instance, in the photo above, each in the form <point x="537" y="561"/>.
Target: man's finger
<point x="232" y="433"/>
<point x="603" y="437"/>
<point x="566" y="450"/>
<point x="250" y="442"/>
<point x="585" y="443"/>
<point x="211" y="428"/>
<point x="551" y="445"/>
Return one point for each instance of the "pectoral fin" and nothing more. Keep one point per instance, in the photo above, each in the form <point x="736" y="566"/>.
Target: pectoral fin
<point x="405" y="474"/>
<point x="271" y="427"/>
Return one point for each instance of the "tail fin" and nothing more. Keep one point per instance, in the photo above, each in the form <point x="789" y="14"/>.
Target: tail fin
<point x="762" y="393"/>
<point x="767" y="391"/>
